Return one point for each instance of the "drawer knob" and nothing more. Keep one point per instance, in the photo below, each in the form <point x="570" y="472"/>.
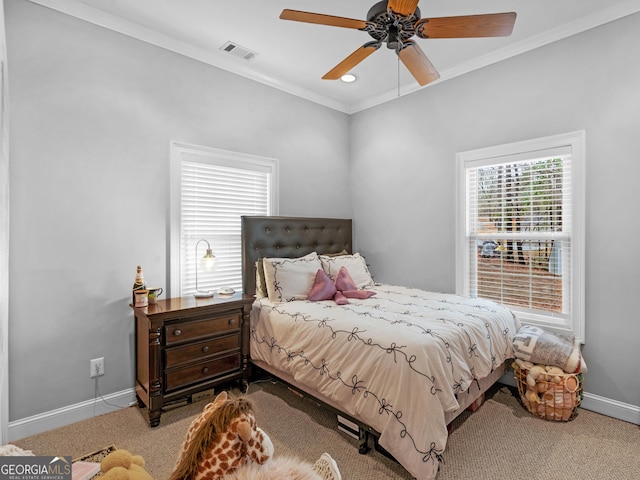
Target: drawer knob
<point x="177" y="332"/>
<point x="205" y="370"/>
<point x="232" y="321"/>
<point x="205" y="349"/>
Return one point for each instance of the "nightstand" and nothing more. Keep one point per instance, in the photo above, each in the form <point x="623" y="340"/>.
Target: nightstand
<point x="186" y="345"/>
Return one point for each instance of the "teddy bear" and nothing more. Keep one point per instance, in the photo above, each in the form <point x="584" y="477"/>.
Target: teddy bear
<point x="122" y="465"/>
<point x="224" y="443"/>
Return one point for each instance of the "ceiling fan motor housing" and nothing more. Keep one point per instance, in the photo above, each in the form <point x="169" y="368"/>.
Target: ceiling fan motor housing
<point x="389" y="27"/>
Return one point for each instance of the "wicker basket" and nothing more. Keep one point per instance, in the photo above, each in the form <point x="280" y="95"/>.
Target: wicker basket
<point x="554" y="397"/>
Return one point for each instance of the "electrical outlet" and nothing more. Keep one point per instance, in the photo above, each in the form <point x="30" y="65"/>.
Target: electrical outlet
<point x="97" y="367"/>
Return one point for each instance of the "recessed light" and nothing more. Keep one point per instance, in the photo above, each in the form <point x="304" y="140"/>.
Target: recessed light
<point x="348" y="78"/>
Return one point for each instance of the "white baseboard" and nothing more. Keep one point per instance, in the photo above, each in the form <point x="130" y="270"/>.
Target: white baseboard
<point x="91" y="408"/>
<point x="70" y="414"/>
<point x="611" y="408"/>
<point x="598" y="404"/>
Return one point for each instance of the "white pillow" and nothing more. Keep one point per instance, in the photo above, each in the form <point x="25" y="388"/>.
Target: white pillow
<point x="290" y="278"/>
<point x="355" y="264"/>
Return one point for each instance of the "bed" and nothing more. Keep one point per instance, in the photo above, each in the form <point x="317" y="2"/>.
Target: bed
<point x="399" y="362"/>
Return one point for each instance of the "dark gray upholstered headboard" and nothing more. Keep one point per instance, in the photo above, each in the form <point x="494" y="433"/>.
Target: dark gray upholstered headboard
<point x="289" y="237"/>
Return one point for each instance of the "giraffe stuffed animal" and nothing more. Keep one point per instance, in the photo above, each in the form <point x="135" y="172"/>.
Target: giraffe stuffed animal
<point x="224" y="443"/>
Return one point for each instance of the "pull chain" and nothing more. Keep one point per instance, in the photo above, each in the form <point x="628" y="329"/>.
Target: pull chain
<point x="398" y="76"/>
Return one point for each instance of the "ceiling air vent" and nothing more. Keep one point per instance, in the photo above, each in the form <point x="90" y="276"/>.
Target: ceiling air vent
<point x="238" y="51"/>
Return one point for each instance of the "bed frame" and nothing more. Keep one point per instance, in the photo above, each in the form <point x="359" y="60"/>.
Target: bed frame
<point x="266" y="237"/>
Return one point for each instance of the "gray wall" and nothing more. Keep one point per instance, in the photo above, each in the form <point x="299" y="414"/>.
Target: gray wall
<point x="92" y="115"/>
<point x="403" y="178"/>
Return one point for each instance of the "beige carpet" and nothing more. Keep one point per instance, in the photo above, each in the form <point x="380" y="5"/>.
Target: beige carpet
<point x="500" y="440"/>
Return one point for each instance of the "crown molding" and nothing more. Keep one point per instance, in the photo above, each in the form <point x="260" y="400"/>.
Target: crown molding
<point x="76" y="8"/>
<point x="106" y="20"/>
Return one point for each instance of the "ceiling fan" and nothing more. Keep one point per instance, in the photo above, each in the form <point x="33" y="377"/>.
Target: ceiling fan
<point x="395" y="22"/>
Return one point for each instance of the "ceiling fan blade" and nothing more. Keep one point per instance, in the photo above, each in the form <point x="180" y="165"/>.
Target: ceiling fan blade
<point x="417" y="63"/>
<point x="322" y="19"/>
<point x="351" y="61"/>
<point x="403" y="7"/>
<point x="467" y="26"/>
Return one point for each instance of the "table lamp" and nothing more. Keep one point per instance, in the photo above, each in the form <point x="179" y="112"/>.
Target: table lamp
<point x="209" y="261"/>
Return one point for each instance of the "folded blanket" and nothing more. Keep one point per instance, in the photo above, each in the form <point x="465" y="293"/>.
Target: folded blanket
<point x="539" y="346"/>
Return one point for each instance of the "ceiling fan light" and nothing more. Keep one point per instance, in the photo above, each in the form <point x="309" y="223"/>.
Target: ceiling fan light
<point x="348" y="78"/>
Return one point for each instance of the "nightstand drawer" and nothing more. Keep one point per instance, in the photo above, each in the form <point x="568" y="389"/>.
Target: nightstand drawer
<point x="203" y="371"/>
<point x="196" y="329"/>
<point x="193" y="351"/>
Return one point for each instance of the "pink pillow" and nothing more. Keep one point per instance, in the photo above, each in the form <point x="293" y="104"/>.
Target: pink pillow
<point x="340" y="299"/>
<point x="347" y="287"/>
<point x="361" y="294"/>
<point x="344" y="281"/>
<point x="322" y="288"/>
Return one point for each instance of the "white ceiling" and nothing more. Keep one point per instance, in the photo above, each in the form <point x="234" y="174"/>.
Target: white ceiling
<point x="293" y="56"/>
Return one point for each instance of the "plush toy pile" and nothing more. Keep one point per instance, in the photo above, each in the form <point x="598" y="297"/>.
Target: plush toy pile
<point x="224" y="443"/>
<point x="547" y="391"/>
<point x="122" y="465"/>
<point x="548" y="371"/>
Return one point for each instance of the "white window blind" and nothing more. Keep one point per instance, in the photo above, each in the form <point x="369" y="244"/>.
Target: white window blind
<point x="215" y="189"/>
<point x="521" y="238"/>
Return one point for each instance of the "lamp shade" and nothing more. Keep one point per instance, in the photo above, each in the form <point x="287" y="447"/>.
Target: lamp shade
<point x="208" y="263"/>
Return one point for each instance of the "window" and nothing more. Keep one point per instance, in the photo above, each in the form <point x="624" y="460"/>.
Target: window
<point x="520" y="229"/>
<point x="210" y="190"/>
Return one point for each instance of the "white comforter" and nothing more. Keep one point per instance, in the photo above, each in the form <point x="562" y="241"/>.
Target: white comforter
<point x="395" y="360"/>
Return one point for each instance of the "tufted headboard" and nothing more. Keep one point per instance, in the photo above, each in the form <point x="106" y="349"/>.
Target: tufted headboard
<point x="289" y="237"/>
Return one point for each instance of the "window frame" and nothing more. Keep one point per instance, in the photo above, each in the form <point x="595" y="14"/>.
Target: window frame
<point x="574" y="142"/>
<point x="211" y="156"/>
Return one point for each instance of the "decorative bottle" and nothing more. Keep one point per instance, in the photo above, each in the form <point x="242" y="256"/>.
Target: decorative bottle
<point x="139" y="284"/>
